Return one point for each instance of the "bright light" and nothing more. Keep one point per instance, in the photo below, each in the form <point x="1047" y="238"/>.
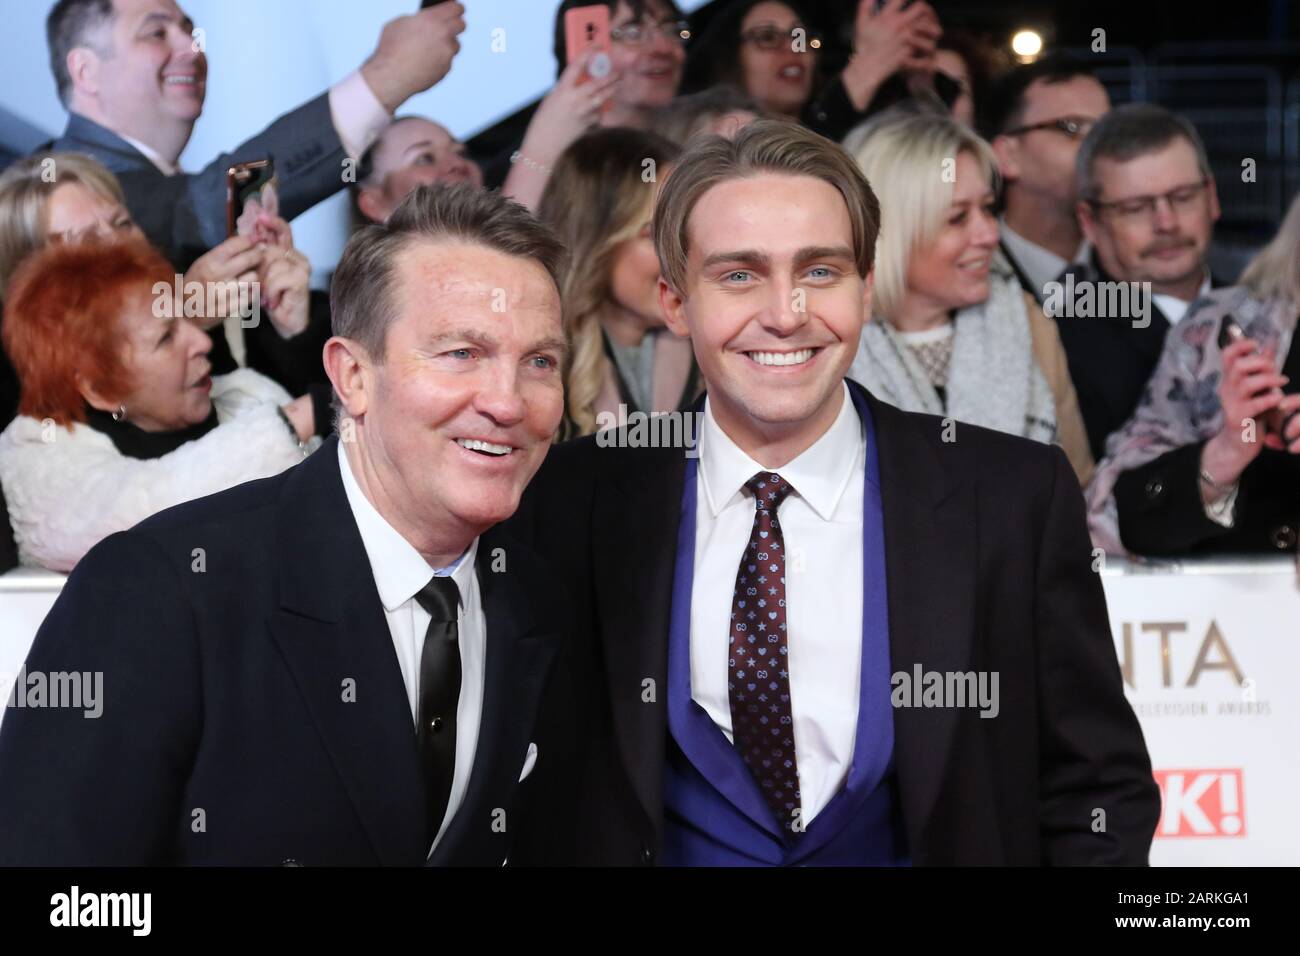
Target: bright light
<point x="1027" y="44"/>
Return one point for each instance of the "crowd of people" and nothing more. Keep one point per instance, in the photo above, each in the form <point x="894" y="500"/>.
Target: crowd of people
<point x="1015" y="202"/>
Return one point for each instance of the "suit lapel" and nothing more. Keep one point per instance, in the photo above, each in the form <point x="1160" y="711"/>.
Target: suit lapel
<point x="522" y="637"/>
<point x="635" y="518"/>
<point x="930" y="553"/>
<point x="334" y="637"/>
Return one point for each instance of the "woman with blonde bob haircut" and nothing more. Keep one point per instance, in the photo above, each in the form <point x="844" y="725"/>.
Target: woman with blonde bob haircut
<point x="954" y="334"/>
<point x="599" y="201"/>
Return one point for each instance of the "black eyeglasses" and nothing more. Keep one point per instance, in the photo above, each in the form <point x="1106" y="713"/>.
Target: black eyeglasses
<point x="638" y="34"/>
<point x="1075" y="127"/>
<point x="771" y="38"/>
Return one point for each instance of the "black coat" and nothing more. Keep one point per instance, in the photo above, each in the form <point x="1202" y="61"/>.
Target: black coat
<point x="1111" y="360"/>
<point x="225" y="692"/>
<point x="989" y="568"/>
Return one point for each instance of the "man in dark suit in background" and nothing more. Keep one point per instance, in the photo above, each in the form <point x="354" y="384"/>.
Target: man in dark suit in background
<point x="842" y="634"/>
<point x="1148" y="206"/>
<point x="341" y="664"/>
<point x="133" y="79"/>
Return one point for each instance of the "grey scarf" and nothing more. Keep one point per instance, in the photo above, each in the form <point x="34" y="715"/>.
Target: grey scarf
<point x="993" y="379"/>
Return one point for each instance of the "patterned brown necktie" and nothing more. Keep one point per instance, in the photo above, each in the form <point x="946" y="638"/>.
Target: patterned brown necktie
<point x="762" y="718"/>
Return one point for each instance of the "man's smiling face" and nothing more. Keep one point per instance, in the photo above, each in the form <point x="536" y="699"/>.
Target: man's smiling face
<point x="774" y="304"/>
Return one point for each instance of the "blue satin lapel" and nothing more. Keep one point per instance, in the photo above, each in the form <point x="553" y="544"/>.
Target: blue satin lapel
<point x="701" y="741"/>
<point x="707" y="747"/>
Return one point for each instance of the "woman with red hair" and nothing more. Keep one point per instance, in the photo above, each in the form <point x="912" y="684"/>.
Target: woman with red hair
<point x="119" y="415"/>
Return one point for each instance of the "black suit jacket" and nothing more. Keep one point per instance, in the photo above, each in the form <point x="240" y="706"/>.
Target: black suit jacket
<point x="989" y="568"/>
<point x="1110" y="360"/>
<point x="253" y="708"/>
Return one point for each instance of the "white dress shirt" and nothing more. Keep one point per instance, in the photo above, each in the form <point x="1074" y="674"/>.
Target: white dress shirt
<point x="400" y="573"/>
<point x="1039" y="265"/>
<point x="1174" y="308"/>
<point x="822" y="525"/>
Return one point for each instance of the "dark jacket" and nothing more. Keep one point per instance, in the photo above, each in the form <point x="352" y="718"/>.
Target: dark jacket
<point x="253" y="709"/>
<point x="989" y="568"/>
<point x="1111" y="356"/>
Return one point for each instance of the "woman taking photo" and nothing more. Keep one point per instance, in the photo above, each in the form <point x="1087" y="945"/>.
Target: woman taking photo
<point x="952" y="333"/>
<point x="768" y="50"/>
<point x="599" y="201"/>
<point x="68" y="197"/>
<point x="1210" y="460"/>
<point x="119" y="415"/>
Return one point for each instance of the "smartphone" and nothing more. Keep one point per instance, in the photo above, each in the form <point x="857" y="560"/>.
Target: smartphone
<point x="587" y="28"/>
<point x="251" y="188"/>
<point x="425" y="4"/>
<point x="1230" y="331"/>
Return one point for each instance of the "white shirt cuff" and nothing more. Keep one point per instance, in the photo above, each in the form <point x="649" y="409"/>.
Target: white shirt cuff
<point x="1222" y="510"/>
<point x="359" y="118"/>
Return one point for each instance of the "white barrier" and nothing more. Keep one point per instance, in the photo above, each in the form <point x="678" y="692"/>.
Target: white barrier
<point x="1210" y="652"/>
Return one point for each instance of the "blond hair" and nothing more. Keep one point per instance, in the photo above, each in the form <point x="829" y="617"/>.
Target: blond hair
<point x="1273" y="272"/>
<point x="26" y="187"/>
<point x="764" y="146"/>
<point x="906" y="159"/>
<point x="596" y="199"/>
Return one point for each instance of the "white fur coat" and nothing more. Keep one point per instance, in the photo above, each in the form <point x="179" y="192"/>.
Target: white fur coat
<point x="68" y="490"/>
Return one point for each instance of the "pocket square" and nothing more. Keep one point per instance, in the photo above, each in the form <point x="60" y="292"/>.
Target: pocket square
<point x="529" y="762"/>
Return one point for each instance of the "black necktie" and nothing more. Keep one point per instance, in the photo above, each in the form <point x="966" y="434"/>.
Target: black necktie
<point x="439" y="692"/>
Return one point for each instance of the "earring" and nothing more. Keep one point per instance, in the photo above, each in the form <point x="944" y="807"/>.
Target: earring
<point x="120" y="413"/>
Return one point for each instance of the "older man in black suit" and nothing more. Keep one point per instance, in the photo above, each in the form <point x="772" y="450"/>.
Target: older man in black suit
<point x="341" y="664"/>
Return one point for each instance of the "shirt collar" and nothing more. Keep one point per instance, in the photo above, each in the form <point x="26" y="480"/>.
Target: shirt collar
<point x="400" y="571"/>
<point x="819" y="475"/>
<point x="151" y="154"/>
<point x="1174" y="308"/>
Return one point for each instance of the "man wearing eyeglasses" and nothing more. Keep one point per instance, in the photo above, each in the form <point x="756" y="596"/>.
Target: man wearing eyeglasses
<point x="647" y="54"/>
<point x="1147" y="205"/>
<point x="1039" y="115"/>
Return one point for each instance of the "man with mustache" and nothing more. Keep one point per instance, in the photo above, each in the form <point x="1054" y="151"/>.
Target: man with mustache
<point x="754" y="615"/>
<point x="1147" y="205"/>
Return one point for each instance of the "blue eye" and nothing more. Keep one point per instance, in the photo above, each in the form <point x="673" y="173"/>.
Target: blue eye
<point x="546" y="361"/>
<point x="741" y="273"/>
<point x="825" y="273"/>
<point x="460" y="353"/>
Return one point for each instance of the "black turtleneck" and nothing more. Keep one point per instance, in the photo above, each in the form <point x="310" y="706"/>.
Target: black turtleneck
<point x="134" y="442"/>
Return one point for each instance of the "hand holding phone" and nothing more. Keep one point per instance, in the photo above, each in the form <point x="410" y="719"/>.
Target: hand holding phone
<point x="1251" y="387"/>
<point x="586" y="31"/>
<point x="251" y="190"/>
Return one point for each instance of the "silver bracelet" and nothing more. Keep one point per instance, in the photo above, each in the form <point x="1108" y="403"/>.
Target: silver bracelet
<point x="519" y="157"/>
<point x="1219" y="489"/>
